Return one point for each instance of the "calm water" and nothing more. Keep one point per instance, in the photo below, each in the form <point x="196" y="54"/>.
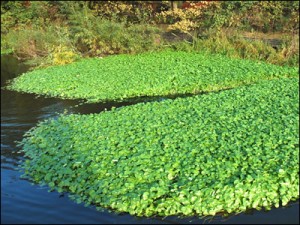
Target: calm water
<point x="22" y="202"/>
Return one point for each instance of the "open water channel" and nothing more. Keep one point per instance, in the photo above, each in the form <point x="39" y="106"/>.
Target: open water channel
<point x="25" y="203"/>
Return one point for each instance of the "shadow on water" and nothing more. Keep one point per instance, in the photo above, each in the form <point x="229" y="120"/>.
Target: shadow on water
<point x="22" y="202"/>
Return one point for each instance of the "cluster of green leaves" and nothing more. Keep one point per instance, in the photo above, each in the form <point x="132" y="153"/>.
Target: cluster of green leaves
<point x="150" y="74"/>
<point x="221" y="152"/>
<point x="6" y="51"/>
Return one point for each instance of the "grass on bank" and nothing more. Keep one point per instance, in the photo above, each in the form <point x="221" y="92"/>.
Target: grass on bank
<point x="51" y="33"/>
<point x="234" y="44"/>
<point x="59" y="44"/>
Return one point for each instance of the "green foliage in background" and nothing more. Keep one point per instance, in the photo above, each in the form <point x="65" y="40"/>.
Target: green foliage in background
<point x="263" y="16"/>
<point x="98" y="36"/>
<point x="76" y="30"/>
<point x="221" y="152"/>
<point x="150" y="74"/>
<point x="100" y="28"/>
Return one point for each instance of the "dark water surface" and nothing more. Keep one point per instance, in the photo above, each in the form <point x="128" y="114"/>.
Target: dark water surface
<point x="24" y="203"/>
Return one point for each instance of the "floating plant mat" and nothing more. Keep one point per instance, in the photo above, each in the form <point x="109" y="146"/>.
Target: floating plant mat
<point x="150" y="74"/>
<point x="221" y="152"/>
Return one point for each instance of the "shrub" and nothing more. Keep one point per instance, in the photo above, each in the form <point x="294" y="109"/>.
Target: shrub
<point x="96" y="36"/>
<point x="30" y="43"/>
<point x="62" y="55"/>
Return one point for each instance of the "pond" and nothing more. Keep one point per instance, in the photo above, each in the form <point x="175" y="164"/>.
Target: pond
<point x="24" y="203"/>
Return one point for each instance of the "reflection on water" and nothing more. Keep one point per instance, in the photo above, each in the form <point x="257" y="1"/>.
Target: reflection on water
<point x="22" y="202"/>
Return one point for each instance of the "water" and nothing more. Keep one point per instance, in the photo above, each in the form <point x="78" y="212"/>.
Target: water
<point x="24" y="203"/>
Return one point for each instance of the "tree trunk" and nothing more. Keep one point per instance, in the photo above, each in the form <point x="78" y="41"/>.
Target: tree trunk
<point x="174" y="5"/>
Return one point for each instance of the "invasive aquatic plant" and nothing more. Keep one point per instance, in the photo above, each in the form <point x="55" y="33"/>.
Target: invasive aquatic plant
<point x="221" y="152"/>
<point x="150" y="74"/>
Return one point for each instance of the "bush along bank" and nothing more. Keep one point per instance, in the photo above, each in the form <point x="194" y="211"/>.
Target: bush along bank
<point x="222" y="152"/>
<point x="150" y="74"/>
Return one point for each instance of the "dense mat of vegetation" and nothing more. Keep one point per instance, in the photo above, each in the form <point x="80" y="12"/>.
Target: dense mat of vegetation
<point x="221" y="152"/>
<point x="150" y="74"/>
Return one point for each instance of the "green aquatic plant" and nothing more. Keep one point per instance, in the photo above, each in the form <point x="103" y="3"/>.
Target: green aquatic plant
<point x="6" y="51"/>
<point x="150" y="74"/>
<point x="217" y="153"/>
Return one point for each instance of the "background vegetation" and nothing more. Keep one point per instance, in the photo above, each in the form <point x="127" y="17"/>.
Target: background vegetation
<point x="59" y="32"/>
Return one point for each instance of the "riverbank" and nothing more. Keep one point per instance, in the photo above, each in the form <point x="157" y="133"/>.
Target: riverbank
<point x="58" y="33"/>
